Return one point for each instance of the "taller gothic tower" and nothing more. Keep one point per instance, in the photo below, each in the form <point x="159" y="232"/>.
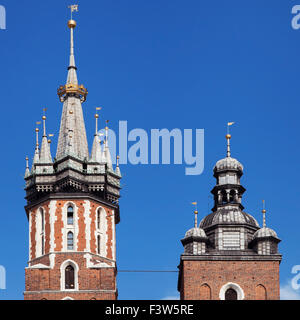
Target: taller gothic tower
<point x="72" y="207"/>
<point x="229" y="257"/>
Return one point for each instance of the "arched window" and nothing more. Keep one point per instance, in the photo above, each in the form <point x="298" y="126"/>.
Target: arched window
<point x="70" y="240"/>
<point x="98" y="218"/>
<point x="98" y="244"/>
<point x="70" y="219"/>
<point x="69" y="277"/>
<point x="232" y="196"/>
<point x="42" y="216"/>
<point x="230" y="294"/>
<point x="224" y="197"/>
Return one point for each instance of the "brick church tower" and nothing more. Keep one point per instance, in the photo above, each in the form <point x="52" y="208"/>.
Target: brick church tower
<point x="72" y="207"/>
<point x="229" y="257"/>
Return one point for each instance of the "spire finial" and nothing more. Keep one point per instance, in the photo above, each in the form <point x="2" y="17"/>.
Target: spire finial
<point x="37" y="130"/>
<point x="118" y="161"/>
<point x="72" y="23"/>
<point x="72" y="77"/>
<point x="97" y="117"/>
<point x="44" y="122"/>
<point x="228" y="137"/>
<point x="195" y="213"/>
<point x="264" y="213"/>
<point x="27" y="162"/>
<point x="106" y="133"/>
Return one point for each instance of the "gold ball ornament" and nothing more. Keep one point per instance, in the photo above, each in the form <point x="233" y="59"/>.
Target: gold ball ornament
<point x="228" y="136"/>
<point x="71" y="24"/>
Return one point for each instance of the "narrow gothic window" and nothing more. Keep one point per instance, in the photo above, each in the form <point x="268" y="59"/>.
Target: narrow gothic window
<point x="70" y="240"/>
<point x="69" y="278"/>
<point x="98" y="219"/>
<point x="230" y="294"/>
<point x="70" y="215"/>
<point x="98" y="244"/>
<point x="42" y="232"/>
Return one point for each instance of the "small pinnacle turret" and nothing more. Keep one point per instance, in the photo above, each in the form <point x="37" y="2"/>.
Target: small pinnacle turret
<point x="45" y="154"/>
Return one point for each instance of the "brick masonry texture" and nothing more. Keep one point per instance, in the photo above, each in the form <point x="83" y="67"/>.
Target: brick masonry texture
<point x="202" y="280"/>
<point x="94" y="283"/>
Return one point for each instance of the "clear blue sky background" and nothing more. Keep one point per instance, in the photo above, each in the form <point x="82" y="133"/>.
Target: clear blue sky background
<point x="158" y="64"/>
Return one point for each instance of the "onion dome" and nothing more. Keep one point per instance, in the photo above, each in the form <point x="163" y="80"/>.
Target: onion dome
<point x="228" y="163"/>
<point x="195" y="239"/>
<point x="265" y="233"/>
<point x="195" y="232"/>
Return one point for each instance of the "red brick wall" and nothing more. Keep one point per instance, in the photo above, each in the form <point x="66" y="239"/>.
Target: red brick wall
<point x="247" y="274"/>
<point x="88" y="279"/>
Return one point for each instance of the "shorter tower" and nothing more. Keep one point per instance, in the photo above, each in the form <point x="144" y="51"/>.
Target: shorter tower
<point x="229" y="257"/>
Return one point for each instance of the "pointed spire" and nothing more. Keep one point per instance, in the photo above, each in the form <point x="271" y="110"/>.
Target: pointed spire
<point x="72" y="121"/>
<point x="264" y="214"/>
<point x="118" y="171"/>
<point x="96" y="155"/>
<point x="36" y="157"/>
<point x="27" y="171"/>
<point x="106" y="149"/>
<point x="72" y="75"/>
<point x="45" y="155"/>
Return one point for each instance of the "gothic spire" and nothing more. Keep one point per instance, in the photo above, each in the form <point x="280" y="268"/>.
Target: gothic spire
<point x="45" y="155"/>
<point x="72" y="122"/>
<point x="106" y="148"/>
<point x="27" y="171"/>
<point x="36" y="157"/>
<point x="118" y="171"/>
<point x="96" y="155"/>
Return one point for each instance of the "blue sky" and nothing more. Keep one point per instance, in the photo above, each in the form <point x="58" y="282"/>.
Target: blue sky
<point x="158" y="64"/>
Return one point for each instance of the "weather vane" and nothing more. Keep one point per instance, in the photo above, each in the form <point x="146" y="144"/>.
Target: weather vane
<point x="73" y="7"/>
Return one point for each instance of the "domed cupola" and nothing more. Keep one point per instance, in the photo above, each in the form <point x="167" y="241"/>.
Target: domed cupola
<point x="265" y="240"/>
<point x="195" y="239"/>
<point x="228" y="227"/>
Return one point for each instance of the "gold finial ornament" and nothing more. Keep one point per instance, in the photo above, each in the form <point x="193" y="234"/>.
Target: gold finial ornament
<point x="72" y="24"/>
<point x="37" y="130"/>
<point x="96" y="115"/>
<point x="44" y="117"/>
<point x="228" y="136"/>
